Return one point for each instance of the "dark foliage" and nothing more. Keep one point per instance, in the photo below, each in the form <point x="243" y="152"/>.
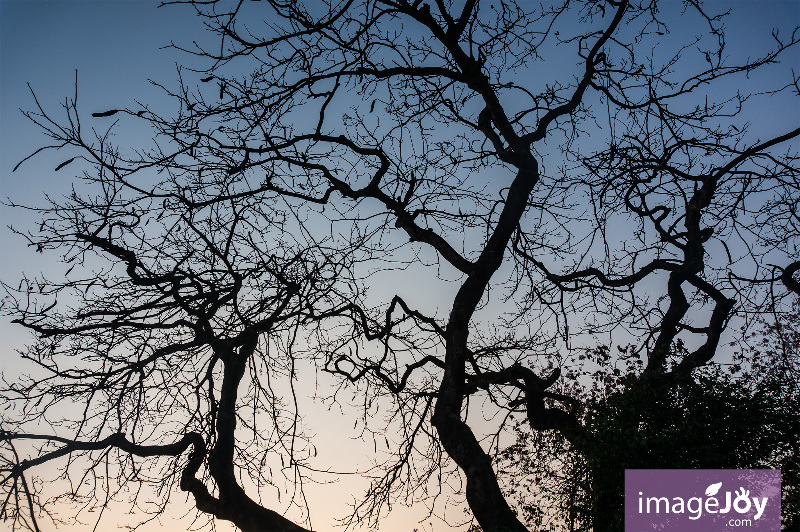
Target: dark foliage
<point x="744" y="415"/>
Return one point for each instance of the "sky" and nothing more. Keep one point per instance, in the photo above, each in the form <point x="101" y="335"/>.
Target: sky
<point x="116" y="46"/>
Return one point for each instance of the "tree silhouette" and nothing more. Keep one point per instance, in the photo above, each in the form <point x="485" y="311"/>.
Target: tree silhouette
<point x="544" y="161"/>
<point x="743" y="415"/>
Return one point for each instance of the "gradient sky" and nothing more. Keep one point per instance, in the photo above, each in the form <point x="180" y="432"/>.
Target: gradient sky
<point x="115" y="46"/>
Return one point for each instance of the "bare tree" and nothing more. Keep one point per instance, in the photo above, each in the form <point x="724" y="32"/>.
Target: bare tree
<point x="567" y="179"/>
<point x="176" y="337"/>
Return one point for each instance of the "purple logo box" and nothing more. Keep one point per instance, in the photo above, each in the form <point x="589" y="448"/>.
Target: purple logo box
<point x="702" y="500"/>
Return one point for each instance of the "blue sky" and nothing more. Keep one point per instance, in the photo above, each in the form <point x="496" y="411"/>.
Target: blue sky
<point x="115" y="46"/>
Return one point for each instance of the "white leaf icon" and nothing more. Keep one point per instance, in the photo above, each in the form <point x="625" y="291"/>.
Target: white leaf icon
<point x="713" y="489"/>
